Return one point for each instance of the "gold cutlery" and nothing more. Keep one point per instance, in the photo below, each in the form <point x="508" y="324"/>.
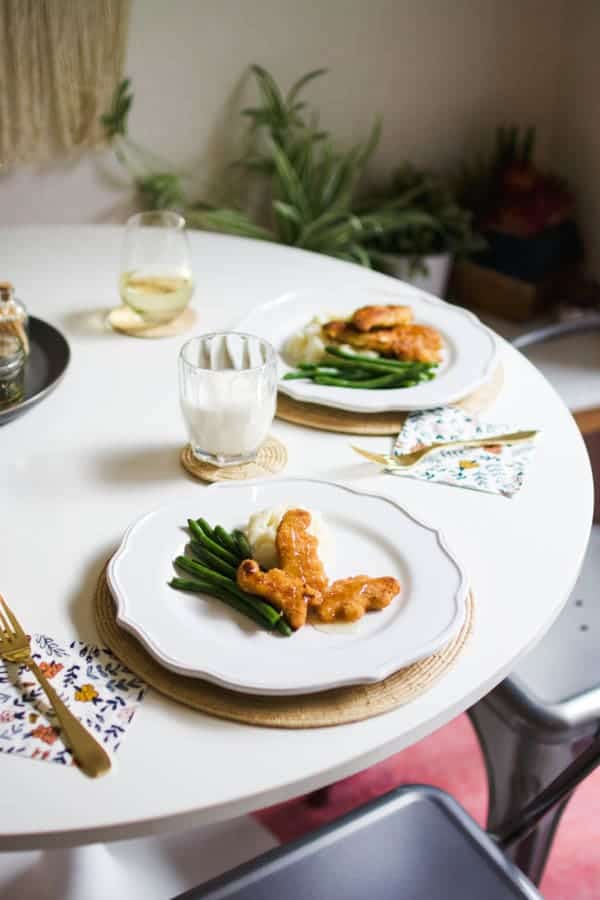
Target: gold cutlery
<point x="15" y="647"/>
<point x="407" y="460"/>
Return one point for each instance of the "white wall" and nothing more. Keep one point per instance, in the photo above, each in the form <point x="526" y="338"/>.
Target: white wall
<point x="442" y="72"/>
<point x="577" y="138"/>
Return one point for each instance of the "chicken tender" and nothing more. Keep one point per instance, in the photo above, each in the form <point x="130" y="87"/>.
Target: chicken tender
<point x="299" y="551"/>
<point x="368" y="317"/>
<point x="420" y="343"/>
<point x="289" y="594"/>
<point x="348" y="599"/>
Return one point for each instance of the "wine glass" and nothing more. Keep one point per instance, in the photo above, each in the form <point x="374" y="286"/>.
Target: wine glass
<point x="156" y="276"/>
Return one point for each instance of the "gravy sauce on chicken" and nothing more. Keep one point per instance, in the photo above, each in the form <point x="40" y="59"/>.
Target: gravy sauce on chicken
<point x="300" y="585"/>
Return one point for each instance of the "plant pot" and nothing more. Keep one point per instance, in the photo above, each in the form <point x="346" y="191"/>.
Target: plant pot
<point x="434" y="282"/>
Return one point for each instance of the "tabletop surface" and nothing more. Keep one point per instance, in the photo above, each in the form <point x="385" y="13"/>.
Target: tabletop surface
<point x="103" y="448"/>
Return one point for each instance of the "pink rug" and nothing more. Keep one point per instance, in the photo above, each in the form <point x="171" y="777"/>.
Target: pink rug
<point x="450" y="759"/>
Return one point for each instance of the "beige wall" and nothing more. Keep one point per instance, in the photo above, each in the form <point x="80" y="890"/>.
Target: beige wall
<point x="442" y="72"/>
<point x="577" y="136"/>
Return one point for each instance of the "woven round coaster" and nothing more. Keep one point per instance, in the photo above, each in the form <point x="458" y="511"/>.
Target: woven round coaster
<point x="271" y="458"/>
<point x="326" y="419"/>
<point x="336" y="707"/>
<point x="126" y="321"/>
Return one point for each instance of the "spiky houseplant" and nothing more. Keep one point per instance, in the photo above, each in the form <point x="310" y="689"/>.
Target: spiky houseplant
<point x="312" y="184"/>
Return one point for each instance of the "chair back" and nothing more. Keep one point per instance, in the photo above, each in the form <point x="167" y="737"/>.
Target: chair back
<point x="414" y="843"/>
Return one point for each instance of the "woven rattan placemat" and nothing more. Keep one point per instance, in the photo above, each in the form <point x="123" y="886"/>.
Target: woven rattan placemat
<point x="334" y="707"/>
<point x="314" y="416"/>
<point x="126" y="321"/>
<point x="271" y="458"/>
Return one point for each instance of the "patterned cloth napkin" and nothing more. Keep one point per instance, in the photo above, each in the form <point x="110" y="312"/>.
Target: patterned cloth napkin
<point x="96" y="687"/>
<point x="495" y="468"/>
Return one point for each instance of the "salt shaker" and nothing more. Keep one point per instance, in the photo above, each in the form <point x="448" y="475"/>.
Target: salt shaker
<point x="14" y="346"/>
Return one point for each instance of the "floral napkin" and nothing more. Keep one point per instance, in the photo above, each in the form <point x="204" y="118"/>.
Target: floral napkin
<point x="96" y="687"/>
<point x="495" y="468"/>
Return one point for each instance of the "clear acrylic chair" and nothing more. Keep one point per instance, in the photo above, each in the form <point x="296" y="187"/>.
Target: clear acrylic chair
<point x="540" y="718"/>
<point x="415" y="843"/>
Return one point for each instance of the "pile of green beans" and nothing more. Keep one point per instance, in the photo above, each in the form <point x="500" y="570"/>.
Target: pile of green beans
<point x="354" y="370"/>
<point x="216" y="555"/>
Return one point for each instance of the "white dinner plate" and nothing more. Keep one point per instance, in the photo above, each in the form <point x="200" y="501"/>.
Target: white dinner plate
<point x="469" y="359"/>
<point x="201" y="637"/>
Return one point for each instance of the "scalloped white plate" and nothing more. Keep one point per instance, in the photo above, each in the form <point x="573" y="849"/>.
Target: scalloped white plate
<point x="470" y="348"/>
<point x="201" y="637"/>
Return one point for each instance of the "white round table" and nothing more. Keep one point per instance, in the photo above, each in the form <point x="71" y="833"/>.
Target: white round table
<point x="103" y="448"/>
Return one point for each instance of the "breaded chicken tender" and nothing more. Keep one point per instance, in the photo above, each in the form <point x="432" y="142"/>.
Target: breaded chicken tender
<point x="289" y="594"/>
<point x="348" y="599"/>
<point x="368" y="317"/>
<point x="419" y="343"/>
<point x="298" y="550"/>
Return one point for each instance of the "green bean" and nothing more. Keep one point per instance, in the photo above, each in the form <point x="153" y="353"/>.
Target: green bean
<point x="225" y="539"/>
<point x="283" y="627"/>
<point x="206" y="528"/>
<point x="385" y="381"/>
<point x="203" y="587"/>
<point x="206" y="574"/>
<point x="213" y="562"/>
<point x="379" y="362"/>
<point x="200" y="535"/>
<point x="243" y="544"/>
<point x="294" y="376"/>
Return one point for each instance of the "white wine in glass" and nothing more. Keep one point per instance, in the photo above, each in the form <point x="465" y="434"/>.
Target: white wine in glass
<point x="156" y="277"/>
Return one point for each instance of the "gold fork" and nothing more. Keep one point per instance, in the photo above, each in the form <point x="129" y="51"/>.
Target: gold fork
<point x="15" y="647"/>
<point x="406" y="460"/>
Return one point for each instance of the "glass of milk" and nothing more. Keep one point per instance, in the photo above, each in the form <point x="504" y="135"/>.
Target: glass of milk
<point x="228" y="390"/>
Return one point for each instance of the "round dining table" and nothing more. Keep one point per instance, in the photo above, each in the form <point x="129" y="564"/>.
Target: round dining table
<point x="103" y="448"/>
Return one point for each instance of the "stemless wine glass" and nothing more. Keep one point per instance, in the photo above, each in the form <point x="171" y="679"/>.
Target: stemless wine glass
<point x="228" y="389"/>
<point x="156" y="275"/>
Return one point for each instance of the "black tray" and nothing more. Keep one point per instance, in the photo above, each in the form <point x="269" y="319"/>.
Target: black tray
<point x="47" y="363"/>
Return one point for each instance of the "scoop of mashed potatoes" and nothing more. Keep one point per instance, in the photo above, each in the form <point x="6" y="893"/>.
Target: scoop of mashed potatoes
<point x="261" y="532"/>
<point x="306" y="345"/>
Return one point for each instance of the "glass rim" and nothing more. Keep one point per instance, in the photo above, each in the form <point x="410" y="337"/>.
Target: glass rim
<point x="177" y="221"/>
<point x="271" y="353"/>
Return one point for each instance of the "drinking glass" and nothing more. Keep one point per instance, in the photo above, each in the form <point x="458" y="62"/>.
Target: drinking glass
<point x="228" y="390"/>
<point x="156" y="275"/>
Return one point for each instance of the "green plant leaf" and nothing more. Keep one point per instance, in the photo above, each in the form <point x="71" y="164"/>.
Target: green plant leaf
<point x="301" y="83"/>
<point x="360" y="255"/>
<point x="228" y="221"/>
<point x="115" y="119"/>
<point x="270" y="91"/>
<point x="312" y="230"/>
<point x="161" y="191"/>
<point x="368" y="148"/>
<point x="289" y="183"/>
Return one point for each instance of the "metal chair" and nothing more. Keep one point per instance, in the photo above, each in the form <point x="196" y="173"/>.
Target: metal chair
<point x="415" y="843"/>
<point x="540" y="718"/>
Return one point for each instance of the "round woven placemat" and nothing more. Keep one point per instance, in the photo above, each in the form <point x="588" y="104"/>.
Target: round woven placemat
<point x="126" y="321"/>
<point x="326" y="419"/>
<point x="336" y="707"/>
<point x="271" y="458"/>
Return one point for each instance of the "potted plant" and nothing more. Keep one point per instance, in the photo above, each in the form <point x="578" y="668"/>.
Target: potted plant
<point x="310" y="185"/>
<point x="526" y="214"/>
<point x="422" y="251"/>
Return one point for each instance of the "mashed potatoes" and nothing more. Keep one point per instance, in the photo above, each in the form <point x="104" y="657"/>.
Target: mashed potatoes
<point x="306" y="345"/>
<point x="261" y="532"/>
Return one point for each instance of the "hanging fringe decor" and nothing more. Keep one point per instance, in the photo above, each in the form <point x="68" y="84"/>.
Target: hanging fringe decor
<point x="60" y="62"/>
